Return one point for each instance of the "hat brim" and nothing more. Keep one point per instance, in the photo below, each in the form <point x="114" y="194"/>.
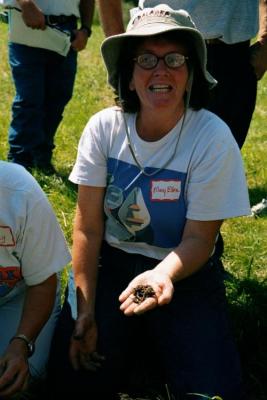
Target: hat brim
<point x="112" y="46"/>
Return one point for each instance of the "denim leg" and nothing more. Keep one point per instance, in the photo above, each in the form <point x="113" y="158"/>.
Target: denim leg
<point x="26" y="128"/>
<point x="10" y="314"/>
<point x="44" y="83"/>
<point x="59" y="82"/>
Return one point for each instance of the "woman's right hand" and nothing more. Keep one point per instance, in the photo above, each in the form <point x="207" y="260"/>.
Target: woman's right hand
<point x="83" y="354"/>
<point x="158" y="281"/>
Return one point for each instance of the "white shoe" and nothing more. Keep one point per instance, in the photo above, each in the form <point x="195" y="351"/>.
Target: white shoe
<point x="258" y="208"/>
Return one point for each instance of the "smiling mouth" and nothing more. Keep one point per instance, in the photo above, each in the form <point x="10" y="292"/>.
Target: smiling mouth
<point x="160" y="88"/>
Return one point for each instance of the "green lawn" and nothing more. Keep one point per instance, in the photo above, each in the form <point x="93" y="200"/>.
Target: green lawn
<point x="245" y="238"/>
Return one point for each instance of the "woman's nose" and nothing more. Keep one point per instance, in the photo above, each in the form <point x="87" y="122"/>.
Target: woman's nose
<point x="161" y="67"/>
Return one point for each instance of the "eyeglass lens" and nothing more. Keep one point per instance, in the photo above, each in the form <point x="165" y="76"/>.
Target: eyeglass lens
<point x="171" y="60"/>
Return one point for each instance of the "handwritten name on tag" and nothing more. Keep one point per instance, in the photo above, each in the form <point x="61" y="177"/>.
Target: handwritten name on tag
<point x="165" y="190"/>
<point x="6" y="237"/>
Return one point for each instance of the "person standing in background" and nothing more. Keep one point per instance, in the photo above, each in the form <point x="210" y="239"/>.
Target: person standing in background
<point x="43" y="79"/>
<point x="111" y="16"/>
<point x="228" y="27"/>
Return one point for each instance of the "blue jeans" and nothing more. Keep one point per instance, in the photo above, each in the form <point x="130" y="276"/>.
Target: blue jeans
<point x="11" y="307"/>
<point x="44" y="83"/>
<point x="187" y="343"/>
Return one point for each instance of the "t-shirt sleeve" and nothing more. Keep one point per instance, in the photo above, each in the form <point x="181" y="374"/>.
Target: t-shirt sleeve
<point x="91" y="163"/>
<point x="217" y="186"/>
<point x="43" y="247"/>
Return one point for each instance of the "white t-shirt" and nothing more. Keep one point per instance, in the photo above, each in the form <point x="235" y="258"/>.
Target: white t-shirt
<point x="51" y="7"/>
<point x="146" y="214"/>
<point x="32" y="245"/>
<point x="233" y="21"/>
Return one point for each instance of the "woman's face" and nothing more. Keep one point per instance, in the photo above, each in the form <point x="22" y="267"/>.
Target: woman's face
<point x="161" y="87"/>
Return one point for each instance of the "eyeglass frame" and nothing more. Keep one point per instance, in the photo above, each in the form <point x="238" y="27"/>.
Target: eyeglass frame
<point x="157" y="59"/>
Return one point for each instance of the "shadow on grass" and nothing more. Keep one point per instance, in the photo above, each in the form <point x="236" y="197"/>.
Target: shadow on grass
<point x="248" y="311"/>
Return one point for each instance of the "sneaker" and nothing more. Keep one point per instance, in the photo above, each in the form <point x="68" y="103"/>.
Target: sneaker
<point x="4" y="16"/>
<point x="24" y="162"/>
<point x="259" y="208"/>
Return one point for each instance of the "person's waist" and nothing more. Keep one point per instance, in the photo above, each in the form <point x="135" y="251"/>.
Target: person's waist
<point x="214" y="41"/>
<point x="220" y="42"/>
<point x="59" y="19"/>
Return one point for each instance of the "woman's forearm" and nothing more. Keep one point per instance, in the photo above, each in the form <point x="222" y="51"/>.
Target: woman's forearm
<point x="87" y="239"/>
<point x="111" y="16"/>
<point x="38" y="305"/>
<point x="193" y="252"/>
<point x="86" y="249"/>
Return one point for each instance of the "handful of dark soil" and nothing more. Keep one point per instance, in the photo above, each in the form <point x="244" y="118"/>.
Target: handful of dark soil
<point x="142" y="292"/>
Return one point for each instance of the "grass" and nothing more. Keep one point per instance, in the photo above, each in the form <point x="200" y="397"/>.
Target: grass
<point x="245" y="256"/>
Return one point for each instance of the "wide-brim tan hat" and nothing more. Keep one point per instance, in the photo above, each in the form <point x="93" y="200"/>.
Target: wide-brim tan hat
<point x="151" y="22"/>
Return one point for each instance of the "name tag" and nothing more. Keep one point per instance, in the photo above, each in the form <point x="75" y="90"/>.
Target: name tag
<point x="168" y="190"/>
<point x="6" y="237"/>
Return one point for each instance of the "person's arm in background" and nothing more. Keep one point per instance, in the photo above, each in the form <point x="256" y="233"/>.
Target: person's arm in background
<point x="82" y="35"/>
<point x="87" y="239"/>
<point x="31" y="14"/>
<point x="38" y="305"/>
<point x="110" y="12"/>
<point x="259" y="49"/>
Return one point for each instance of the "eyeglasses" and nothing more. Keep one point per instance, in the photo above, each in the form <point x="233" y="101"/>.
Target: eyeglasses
<point x="150" y="61"/>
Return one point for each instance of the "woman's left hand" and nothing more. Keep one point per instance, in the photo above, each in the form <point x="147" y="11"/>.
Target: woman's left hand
<point x="83" y="354"/>
<point x="158" y="281"/>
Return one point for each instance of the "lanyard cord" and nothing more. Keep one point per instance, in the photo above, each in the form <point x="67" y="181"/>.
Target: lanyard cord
<point x="142" y="169"/>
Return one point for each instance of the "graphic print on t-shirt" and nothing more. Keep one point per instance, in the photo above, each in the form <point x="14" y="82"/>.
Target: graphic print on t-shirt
<point x="140" y="208"/>
<point x="6" y="237"/>
<point x="10" y="273"/>
<point x="9" y="277"/>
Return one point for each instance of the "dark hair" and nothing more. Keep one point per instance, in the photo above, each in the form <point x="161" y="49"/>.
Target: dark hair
<point x="129" y="100"/>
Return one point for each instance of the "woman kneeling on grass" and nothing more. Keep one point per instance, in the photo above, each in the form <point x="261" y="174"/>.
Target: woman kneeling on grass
<point x="157" y="176"/>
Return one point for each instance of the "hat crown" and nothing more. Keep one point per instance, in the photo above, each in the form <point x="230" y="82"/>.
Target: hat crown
<point x="160" y="14"/>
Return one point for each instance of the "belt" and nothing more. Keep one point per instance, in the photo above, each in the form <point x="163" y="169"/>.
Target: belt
<point x="59" y="19"/>
<point x="213" y="41"/>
